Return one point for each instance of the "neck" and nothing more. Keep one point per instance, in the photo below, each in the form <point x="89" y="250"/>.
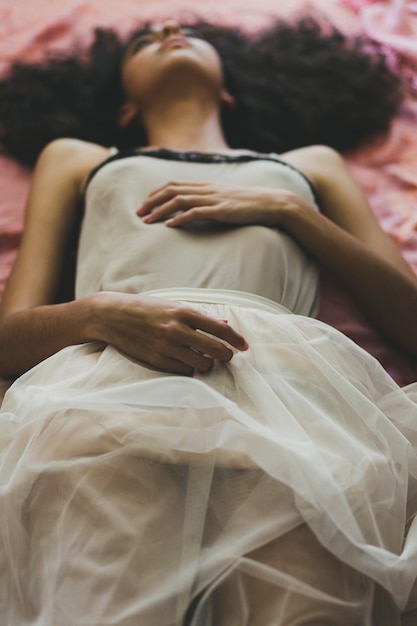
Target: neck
<point x="184" y="126"/>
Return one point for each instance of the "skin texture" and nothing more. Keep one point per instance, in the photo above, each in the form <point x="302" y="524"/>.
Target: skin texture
<point x="345" y="238"/>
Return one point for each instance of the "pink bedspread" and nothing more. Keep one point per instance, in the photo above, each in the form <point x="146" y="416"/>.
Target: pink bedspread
<point x="387" y="169"/>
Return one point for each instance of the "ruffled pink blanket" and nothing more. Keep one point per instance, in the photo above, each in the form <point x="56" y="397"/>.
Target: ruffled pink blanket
<point x="386" y="169"/>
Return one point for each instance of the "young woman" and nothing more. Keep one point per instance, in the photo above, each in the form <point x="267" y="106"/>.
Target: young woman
<point x="188" y="445"/>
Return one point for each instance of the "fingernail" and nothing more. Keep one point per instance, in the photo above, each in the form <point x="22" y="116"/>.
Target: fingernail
<point x="147" y="218"/>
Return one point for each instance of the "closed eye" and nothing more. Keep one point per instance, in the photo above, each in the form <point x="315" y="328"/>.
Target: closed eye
<point x="140" y="41"/>
<point x="143" y="39"/>
<point x="190" y="31"/>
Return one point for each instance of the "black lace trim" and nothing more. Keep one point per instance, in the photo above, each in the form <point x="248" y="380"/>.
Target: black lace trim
<point x="194" y="157"/>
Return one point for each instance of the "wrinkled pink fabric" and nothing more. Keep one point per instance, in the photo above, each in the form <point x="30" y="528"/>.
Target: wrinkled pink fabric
<point x="386" y="169"/>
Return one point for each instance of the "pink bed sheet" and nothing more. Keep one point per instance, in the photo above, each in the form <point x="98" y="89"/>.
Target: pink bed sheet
<point x="386" y="169"/>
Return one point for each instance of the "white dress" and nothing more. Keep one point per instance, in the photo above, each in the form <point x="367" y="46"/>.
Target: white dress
<point x="277" y="489"/>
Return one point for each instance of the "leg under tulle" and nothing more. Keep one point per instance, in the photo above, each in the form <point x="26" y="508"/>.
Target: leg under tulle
<point x="271" y="491"/>
<point x="126" y="557"/>
<point x="104" y="543"/>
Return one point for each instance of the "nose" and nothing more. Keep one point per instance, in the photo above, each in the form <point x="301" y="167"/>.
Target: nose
<point x="168" y="28"/>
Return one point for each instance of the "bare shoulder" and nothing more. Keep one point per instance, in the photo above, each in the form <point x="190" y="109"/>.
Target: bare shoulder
<point x="74" y="158"/>
<point x="318" y="162"/>
<point x="51" y="213"/>
<point x="70" y="147"/>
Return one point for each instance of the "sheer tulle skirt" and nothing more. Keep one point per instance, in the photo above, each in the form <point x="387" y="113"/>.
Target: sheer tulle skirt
<point x="278" y="489"/>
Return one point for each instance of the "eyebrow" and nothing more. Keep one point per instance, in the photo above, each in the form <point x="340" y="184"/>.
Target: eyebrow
<point x="137" y="36"/>
<point x="152" y="29"/>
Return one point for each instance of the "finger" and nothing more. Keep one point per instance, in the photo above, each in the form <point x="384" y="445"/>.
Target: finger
<point x="193" y="334"/>
<point x="210" y="346"/>
<point x="177" y="205"/>
<point x="184" y="360"/>
<point x="175" y="184"/>
<point x="216" y="329"/>
<point x="169" y="191"/>
<point x="196" y="360"/>
<point x="169" y="365"/>
<point x="192" y="346"/>
<point x="200" y="213"/>
<point x="157" y="198"/>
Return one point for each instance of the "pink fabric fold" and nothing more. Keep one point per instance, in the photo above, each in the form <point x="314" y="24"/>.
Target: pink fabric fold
<point x="393" y="24"/>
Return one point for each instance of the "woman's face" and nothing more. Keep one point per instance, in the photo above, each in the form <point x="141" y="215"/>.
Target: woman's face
<point x="165" y="56"/>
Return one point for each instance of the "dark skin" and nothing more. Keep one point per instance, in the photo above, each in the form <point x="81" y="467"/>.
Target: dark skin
<point x="178" y="94"/>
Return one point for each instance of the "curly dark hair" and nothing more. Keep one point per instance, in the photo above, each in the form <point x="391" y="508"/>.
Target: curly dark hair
<point x="296" y="84"/>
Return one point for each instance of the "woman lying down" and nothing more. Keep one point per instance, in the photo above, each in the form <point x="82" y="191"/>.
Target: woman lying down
<point x="185" y="444"/>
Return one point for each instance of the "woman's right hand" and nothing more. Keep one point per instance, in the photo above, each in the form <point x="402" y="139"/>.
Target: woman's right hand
<point x="163" y="334"/>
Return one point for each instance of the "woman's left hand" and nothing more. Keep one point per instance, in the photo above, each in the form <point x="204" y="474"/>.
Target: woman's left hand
<point x="179" y="203"/>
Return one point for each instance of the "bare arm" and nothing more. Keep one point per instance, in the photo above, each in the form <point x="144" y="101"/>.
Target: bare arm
<point x="31" y="328"/>
<point x="162" y="334"/>
<point x="345" y="239"/>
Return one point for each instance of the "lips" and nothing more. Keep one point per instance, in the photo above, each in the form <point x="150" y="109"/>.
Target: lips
<point x="175" y="41"/>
